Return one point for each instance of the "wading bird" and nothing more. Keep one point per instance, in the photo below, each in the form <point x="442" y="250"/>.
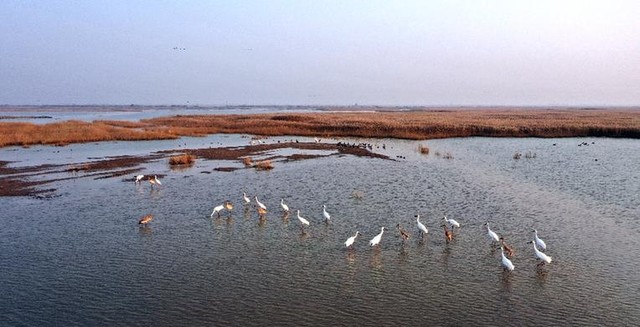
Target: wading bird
<point x="217" y="209"/>
<point x="451" y="222"/>
<point x="303" y="222"/>
<point x="376" y="240"/>
<point x="285" y="207"/>
<point x="507" y="248"/>
<point x="228" y="205"/>
<point x="155" y="180"/>
<point x="491" y="234"/>
<point x="403" y="233"/>
<point x="261" y="212"/>
<point x="545" y="258"/>
<point x="139" y="178"/>
<point x="260" y="204"/>
<point x="246" y="198"/>
<point x="448" y="234"/>
<point x="539" y="242"/>
<point x="506" y="263"/>
<point x="350" y="240"/>
<point x="423" y="229"/>
<point x="145" y="220"/>
<point x="326" y="215"/>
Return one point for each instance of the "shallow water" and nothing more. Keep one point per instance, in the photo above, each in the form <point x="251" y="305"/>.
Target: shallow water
<point x="81" y="259"/>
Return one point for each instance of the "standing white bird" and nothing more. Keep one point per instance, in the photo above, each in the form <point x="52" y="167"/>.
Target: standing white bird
<point x="506" y="263"/>
<point x="492" y="235"/>
<point x="246" y="198"/>
<point x="376" y="240"/>
<point x="217" y="210"/>
<point x="423" y="229"/>
<point x="260" y="204"/>
<point x="326" y="215"/>
<point x="350" y="240"/>
<point x="545" y="258"/>
<point x="303" y="222"/>
<point x="539" y="241"/>
<point x="154" y="180"/>
<point x="139" y="178"/>
<point x="285" y="207"/>
<point x="451" y="222"/>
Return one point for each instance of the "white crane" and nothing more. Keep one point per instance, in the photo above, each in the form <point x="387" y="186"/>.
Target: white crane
<point x="506" y="263"/>
<point x="154" y="180"/>
<point x="303" y="221"/>
<point x="260" y="204"/>
<point x="376" y="240"/>
<point x="545" y="258"/>
<point x="139" y="178"/>
<point x="217" y="209"/>
<point x="326" y="215"/>
<point x="491" y="234"/>
<point x="451" y="222"/>
<point x="350" y="240"/>
<point x="539" y="242"/>
<point x="246" y="198"/>
<point x="423" y="229"/>
<point x="285" y="207"/>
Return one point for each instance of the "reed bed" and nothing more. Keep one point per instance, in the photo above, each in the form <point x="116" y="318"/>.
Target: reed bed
<point x="263" y="165"/>
<point x="182" y="159"/>
<point x="416" y="125"/>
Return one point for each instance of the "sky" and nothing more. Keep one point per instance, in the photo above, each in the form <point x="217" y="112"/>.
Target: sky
<point x="398" y="53"/>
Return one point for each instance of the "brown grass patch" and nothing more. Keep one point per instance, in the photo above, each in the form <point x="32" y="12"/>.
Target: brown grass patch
<point x="182" y="159"/>
<point x="423" y="149"/>
<point x="264" y="165"/>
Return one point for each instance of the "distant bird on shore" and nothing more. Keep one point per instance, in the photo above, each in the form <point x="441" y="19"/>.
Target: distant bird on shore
<point x="285" y="207"/>
<point x="543" y="257"/>
<point x="506" y="263"/>
<point x="451" y="222"/>
<point x="376" y="240"/>
<point x="327" y="216"/>
<point x="145" y="220"/>
<point x="423" y="229"/>
<point x="139" y="178"/>
<point x="541" y="244"/>
<point x="246" y="198"/>
<point x="350" y="240"/>
<point x="491" y="234"/>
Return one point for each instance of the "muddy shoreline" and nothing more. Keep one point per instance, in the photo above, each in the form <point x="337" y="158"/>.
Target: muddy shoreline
<point x="20" y="181"/>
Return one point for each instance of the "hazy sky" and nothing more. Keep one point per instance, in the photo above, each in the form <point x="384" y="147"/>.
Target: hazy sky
<point x="320" y="52"/>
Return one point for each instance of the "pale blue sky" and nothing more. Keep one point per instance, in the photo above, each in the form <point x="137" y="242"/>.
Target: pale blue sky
<point x="320" y="52"/>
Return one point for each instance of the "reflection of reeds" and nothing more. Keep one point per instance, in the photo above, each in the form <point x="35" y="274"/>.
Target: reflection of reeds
<point x="423" y="149"/>
<point x="447" y="155"/>
<point x="517" y="155"/>
<point x="530" y="155"/>
<point x="263" y="165"/>
<point x="357" y="195"/>
<point x="183" y="159"/>
<point x="427" y="124"/>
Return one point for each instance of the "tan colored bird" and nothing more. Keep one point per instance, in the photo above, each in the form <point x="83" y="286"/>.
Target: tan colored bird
<point x="507" y="249"/>
<point x="448" y="234"/>
<point x="403" y="233"/>
<point x="228" y="205"/>
<point x="145" y="220"/>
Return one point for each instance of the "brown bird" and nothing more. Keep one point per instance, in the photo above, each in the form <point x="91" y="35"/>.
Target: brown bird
<point x="154" y="181"/>
<point x="403" y="233"/>
<point x="507" y="249"/>
<point x="228" y="205"/>
<point x="262" y="212"/>
<point x="145" y="220"/>
<point x="448" y="234"/>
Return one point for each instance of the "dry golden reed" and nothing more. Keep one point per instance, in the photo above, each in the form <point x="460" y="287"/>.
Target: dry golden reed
<point x="182" y="159"/>
<point x="264" y="165"/>
<point x="416" y="125"/>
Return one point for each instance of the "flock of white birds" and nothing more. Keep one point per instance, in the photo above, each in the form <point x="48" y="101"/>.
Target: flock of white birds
<point x="449" y="225"/>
